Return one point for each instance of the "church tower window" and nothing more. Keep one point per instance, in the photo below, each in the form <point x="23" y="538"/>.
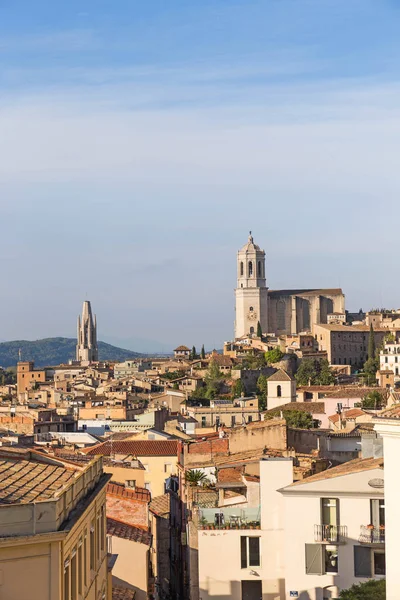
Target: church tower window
<point x="279" y="391"/>
<point x="251" y="329"/>
<point x="250" y="269"/>
<point x="251" y="309"/>
<point x="259" y="268"/>
<point x="241" y="269"/>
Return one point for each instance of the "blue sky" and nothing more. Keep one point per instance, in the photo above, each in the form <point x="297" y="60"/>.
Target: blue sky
<point x="140" y="141"/>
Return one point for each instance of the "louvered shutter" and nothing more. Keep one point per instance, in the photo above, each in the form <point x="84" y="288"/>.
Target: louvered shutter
<point x="362" y="561"/>
<point x="314" y="559"/>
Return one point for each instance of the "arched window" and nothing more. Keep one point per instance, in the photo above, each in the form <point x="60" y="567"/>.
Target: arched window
<point x="241" y="269"/>
<point x="259" y="268"/>
<point x="251" y="309"/>
<point x="279" y="391"/>
<point x="250" y="269"/>
<point x="251" y="329"/>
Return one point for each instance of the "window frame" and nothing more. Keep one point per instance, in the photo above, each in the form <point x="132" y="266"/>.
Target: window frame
<point x="245" y="556"/>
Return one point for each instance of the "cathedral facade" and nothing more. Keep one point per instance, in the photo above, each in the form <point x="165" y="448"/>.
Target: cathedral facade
<point x="281" y="312"/>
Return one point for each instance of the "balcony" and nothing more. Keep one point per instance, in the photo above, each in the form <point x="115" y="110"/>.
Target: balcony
<point x="330" y="534"/>
<point x="372" y="535"/>
<point x="231" y="517"/>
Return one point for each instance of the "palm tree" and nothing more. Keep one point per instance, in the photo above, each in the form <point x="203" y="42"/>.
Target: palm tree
<point x="194" y="477"/>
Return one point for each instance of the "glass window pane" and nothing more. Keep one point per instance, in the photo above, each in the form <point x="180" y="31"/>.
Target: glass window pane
<point x="329" y="511"/>
<point x="331" y="559"/>
<point x="254" y="551"/>
<point x="379" y="563"/>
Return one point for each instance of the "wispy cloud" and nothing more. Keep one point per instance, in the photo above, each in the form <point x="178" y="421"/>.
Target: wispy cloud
<point x="76" y="40"/>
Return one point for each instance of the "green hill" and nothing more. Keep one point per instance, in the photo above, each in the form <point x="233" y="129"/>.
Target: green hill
<point x="54" y="351"/>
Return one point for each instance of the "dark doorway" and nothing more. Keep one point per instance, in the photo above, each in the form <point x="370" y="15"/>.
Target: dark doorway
<point x="251" y="590"/>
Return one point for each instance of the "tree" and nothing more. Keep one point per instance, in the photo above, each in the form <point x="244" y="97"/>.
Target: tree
<point x="370" y="369"/>
<point x="273" y="356"/>
<point x="325" y="375"/>
<point x="262" y="392"/>
<point x="314" y="372"/>
<point x="375" y="589"/>
<point x="294" y="418"/>
<point x="306" y="373"/>
<point x="213" y="379"/>
<point x="254" y="361"/>
<point x="195" y="477"/>
<point x="238" y="389"/>
<point x="203" y="352"/>
<point x="372" y="400"/>
<point x="213" y="371"/>
<point x="371" y="343"/>
<point x="193" y="354"/>
<point x="259" y="330"/>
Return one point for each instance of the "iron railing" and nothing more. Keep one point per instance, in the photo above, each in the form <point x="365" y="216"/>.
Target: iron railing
<point x="330" y="533"/>
<point x="371" y="535"/>
<point x="231" y="517"/>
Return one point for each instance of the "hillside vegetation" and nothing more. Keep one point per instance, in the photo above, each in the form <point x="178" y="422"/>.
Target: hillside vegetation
<point x="53" y="351"/>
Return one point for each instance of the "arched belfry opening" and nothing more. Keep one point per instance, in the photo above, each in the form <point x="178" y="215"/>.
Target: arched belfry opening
<point x="251" y="291"/>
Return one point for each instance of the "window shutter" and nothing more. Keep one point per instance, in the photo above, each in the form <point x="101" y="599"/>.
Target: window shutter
<point x="362" y="561"/>
<point x="243" y="552"/>
<point x="314" y="559"/>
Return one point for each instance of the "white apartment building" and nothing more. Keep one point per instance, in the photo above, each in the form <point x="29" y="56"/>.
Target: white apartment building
<point x="307" y="540"/>
<point x="334" y="530"/>
<point x="389" y="359"/>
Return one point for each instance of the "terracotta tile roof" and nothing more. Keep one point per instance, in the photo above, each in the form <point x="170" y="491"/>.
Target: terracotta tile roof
<point x="355" y="392"/>
<point x="348" y="414"/>
<point x="128" y="532"/>
<point x="230" y="475"/>
<point x="160" y="505"/>
<point x="139" y="493"/>
<point x="121" y="593"/>
<point x="312" y="407"/>
<point x="393" y="412"/>
<point x="181" y="349"/>
<point x="24" y="481"/>
<point x="281" y="375"/>
<point x="222" y="360"/>
<point x="136" y="448"/>
<point x="255" y="478"/>
<point x="353" y="466"/>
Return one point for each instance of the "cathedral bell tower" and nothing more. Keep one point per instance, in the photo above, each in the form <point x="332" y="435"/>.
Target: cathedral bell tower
<point x="251" y="294"/>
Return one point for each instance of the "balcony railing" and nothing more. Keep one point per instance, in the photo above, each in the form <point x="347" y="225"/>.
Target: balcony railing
<point x="230" y="517"/>
<point x="372" y="535"/>
<point x="330" y="533"/>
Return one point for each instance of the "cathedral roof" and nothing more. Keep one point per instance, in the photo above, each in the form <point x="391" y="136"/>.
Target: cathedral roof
<point x="250" y="246"/>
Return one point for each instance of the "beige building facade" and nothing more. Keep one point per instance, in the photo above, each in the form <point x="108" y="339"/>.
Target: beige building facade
<point x="52" y="546"/>
<point x="346" y="344"/>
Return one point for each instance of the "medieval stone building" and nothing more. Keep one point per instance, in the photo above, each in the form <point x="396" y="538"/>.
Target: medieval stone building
<point x="278" y="311"/>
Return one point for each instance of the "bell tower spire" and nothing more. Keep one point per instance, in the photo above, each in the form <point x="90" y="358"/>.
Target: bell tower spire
<point x="86" y="348"/>
<point x="251" y="293"/>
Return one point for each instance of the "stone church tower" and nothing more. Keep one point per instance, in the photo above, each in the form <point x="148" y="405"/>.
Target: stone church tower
<point x="86" y="348"/>
<point x="251" y="293"/>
